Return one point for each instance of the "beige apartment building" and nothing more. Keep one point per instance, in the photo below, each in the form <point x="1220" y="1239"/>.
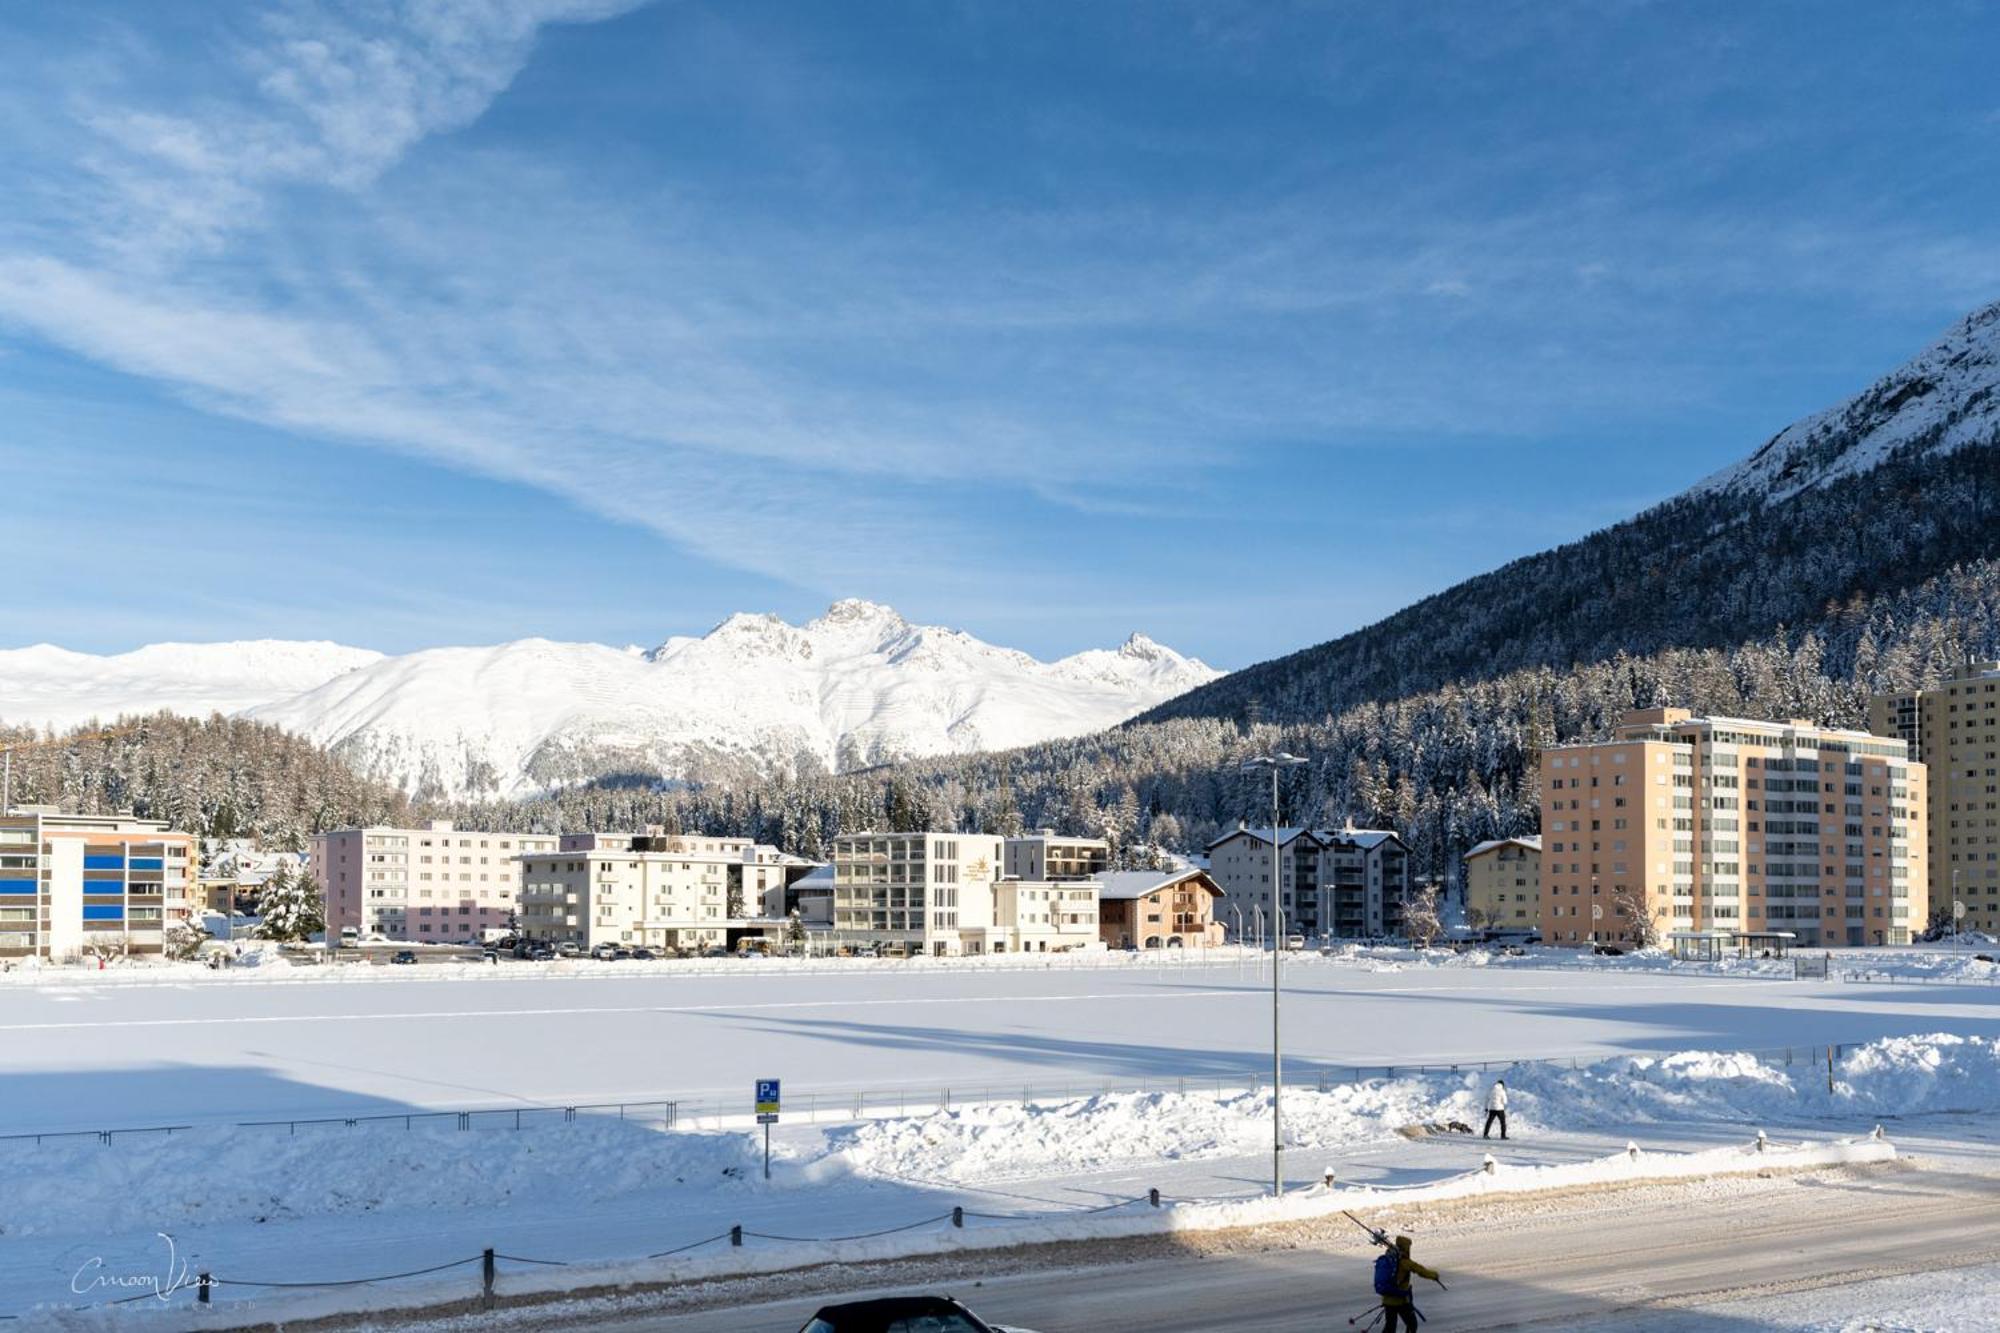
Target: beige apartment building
<point x="1503" y="885"/>
<point x="432" y="885"/>
<point x="1732" y="825"/>
<point x="79" y="885"/>
<point x="648" y="890"/>
<point x="1954" y="728"/>
<point x="946" y="893"/>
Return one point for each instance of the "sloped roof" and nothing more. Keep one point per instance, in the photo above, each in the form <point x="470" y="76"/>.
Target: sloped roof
<point x="1285" y="835"/>
<point x="1532" y="841"/>
<point x="1125" y="885"/>
<point x="1367" y="838"/>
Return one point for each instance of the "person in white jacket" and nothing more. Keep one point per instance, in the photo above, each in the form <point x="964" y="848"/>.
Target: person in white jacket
<point x="1496" y="1108"/>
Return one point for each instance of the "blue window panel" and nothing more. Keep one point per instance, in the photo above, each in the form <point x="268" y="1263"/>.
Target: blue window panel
<point x="95" y="912"/>
<point x="103" y="863"/>
<point x="17" y="886"/>
<point x="147" y="863"/>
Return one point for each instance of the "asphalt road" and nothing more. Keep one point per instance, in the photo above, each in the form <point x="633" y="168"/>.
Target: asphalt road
<point x="1597" y="1260"/>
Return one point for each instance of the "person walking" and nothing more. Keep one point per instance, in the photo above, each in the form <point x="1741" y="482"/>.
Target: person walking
<point x="1393" y="1272"/>
<point x="1496" y="1108"/>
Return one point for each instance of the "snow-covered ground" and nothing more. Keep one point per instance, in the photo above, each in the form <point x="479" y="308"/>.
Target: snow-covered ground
<point x="88" y="1050"/>
<point x="1951" y="1300"/>
<point x="166" y="1046"/>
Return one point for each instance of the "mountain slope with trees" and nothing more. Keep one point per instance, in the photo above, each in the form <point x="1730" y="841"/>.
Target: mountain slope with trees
<point x="1895" y="486"/>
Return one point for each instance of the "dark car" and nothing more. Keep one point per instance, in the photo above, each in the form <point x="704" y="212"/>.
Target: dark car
<point x="403" y="956"/>
<point x="643" y="955"/>
<point x="902" y="1314"/>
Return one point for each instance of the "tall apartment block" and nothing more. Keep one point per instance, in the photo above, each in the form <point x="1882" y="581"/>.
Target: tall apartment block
<point x="1333" y="883"/>
<point x="1954" y="729"/>
<point x="435" y="885"/>
<point x="1727" y="824"/>
<point x="71" y="885"/>
<point x="946" y="893"/>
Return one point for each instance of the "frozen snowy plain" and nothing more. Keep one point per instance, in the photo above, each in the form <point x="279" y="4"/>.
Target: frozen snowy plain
<point x="134" y="1049"/>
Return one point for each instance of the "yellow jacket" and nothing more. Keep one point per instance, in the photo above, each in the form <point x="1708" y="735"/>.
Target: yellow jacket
<point x="1406" y="1269"/>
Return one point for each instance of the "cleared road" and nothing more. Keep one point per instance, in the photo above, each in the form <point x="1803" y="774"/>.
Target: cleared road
<point x="1606" y="1259"/>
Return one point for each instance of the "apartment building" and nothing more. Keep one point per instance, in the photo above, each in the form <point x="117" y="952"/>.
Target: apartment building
<point x="73" y="885"/>
<point x="1954" y="730"/>
<point x="1158" y="909"/>
<point x="1364" y="882"/>
<point x="1240" y="864"/>
<point x="434" y="885"/>
<point x="1334" y="883"/>
<point x="946" y="893"/>
<point x="1729" y="824"/>
<point x="652" y="889"/>
<point x="1045" y="854"/>
<point x="1503" y="885"/>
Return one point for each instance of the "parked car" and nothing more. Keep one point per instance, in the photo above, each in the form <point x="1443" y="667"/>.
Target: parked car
<point x="1295" y="942"/>
<point x="570" y="949"/>
<point x="541" y="953"/>
<point x="403" y="956"/>
<point x="902" y="1314"/>
<point x="1608" y="951"/>
<point x="644" y="955"/>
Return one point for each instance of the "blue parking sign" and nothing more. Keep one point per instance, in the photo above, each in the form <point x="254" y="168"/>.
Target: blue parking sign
<point x="767" y="1096"/>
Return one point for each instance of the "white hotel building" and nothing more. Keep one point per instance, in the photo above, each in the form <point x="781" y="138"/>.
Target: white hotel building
<point x="943" y="893"/>
<point x="433" y="885"/>
<point x="652" y="890"/>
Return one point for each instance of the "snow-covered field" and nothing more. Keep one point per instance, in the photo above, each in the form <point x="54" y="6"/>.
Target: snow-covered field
<point x="164" y="1046"/>
<point x="109" y="1050"/>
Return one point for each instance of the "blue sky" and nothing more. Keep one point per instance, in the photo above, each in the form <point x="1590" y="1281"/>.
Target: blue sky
<point x="439" y="322"/>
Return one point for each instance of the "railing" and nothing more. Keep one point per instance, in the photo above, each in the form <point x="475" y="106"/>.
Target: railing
<point x="201" y="1286"/>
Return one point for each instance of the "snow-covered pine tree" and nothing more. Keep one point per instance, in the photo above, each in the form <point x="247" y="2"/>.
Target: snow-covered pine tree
<point x="290" y="906"/>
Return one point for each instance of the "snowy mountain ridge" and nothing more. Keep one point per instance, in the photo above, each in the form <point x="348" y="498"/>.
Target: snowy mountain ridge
<point x="1942" y="399"/>
<point x="47" y="686"/>
<point x="857" y="686"/>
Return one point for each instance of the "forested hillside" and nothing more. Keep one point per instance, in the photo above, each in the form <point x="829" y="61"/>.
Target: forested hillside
<point x="1704" y="571"/>
<point x="219" y="777"/>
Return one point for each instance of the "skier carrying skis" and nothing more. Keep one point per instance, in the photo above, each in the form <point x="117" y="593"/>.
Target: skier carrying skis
<point x="1496" y="1108"/>
<point x="1393" y="1271"/>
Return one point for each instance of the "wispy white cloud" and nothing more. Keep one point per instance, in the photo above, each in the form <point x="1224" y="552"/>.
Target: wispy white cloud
<point x="295" y="237"/>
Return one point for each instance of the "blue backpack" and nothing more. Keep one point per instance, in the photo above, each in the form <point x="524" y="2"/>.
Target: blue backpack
<point x="1386" y="1267"/>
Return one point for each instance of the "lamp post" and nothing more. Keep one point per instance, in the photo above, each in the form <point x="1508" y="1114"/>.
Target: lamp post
<point x="1277" y="763"/>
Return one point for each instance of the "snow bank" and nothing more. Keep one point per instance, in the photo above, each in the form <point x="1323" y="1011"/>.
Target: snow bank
<point x="1894" y="1076"/>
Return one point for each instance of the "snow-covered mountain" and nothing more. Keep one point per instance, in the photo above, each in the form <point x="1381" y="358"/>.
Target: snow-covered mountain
<point x="47" y="686"/>
<point x="857" y="686"/>
<point x="1946" y="397"/>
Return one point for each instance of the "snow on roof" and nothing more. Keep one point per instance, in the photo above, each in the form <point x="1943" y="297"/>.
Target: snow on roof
<point x="1529" y="840"/>
<point x="1285" y="835"/>
<point x="1368" y="838"/>
<point x="1125" y="885"/>
<point x="819" y="877"/>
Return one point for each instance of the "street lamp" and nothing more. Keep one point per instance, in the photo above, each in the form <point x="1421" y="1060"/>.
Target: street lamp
<point x="1277" y="763"/>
